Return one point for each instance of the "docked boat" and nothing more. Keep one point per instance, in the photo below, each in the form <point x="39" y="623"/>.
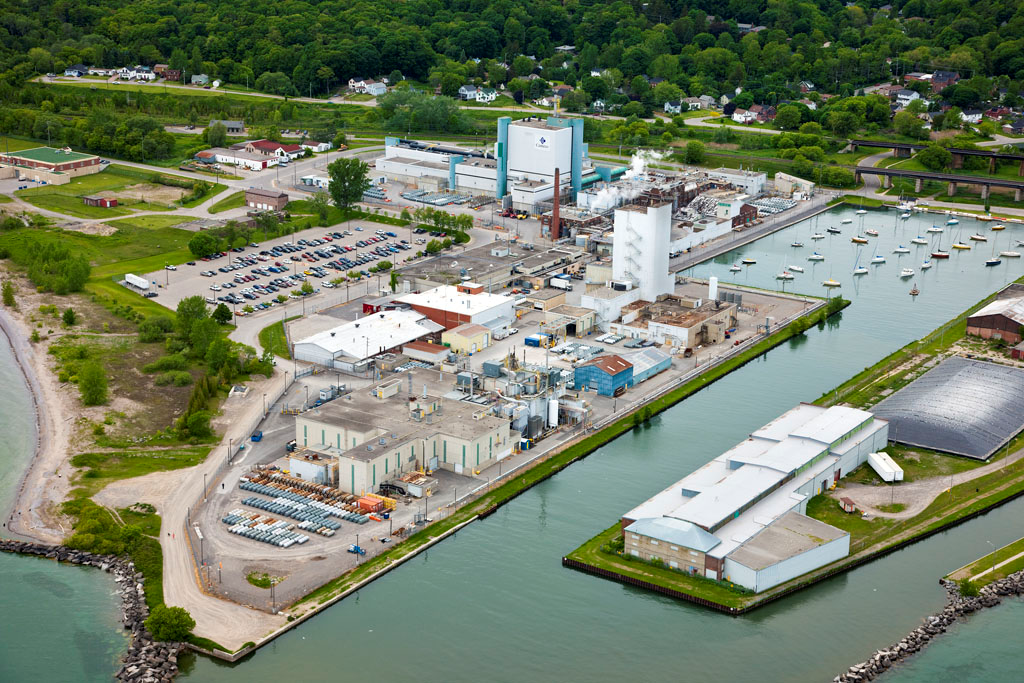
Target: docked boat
<point x="999" y="226"/>
<point x="857" y="268"/>
<point x="926" y="265"/>
<point x="830" y="283"/>
<point x="748" y="261"/>
<point x="796" y="244"/>
<point x="877" y="259"/>
<point x="735" y="268"/>
<point x="961" y="246"/>
<point x="936" y="228"/>
<point x="952" y="221"/>
<point x="817" y="236"/>
<point x="1020" y="243"/>
<point x="978" y="238"/>
<point x="833" y="230"/>
<point x="915" y="291"/>
<point x="901" y="250"/>
<point x="784" y="275"/>
<point x="859" y="240"/>
<point x="939" y="254"/>
<point x="1010" y="254"/>
<point x="905" y="216"/>
<point x="872" y="232"/>
<point x="919" y="240"/>
<point x="815" y="256"/>
<point x="847" y="220"/>
<point x="994" y="261"/>
<point x="907" y="272"/>
<point x="800" y="269"/>
<point x="861" y="212"/>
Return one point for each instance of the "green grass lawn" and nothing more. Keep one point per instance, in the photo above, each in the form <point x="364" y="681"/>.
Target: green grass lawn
<point x="10" y="144"/>
<point x="988" y="561"/>
<point x="235" y="200"/>
<point x="5" y="199"/>
<point x="917" y="464"/>
<point x="100" y="469"/>
<point x="149" y="522"/>
<point x="272" y="338"/>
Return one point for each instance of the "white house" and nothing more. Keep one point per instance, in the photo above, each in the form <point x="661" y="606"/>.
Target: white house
<point x="314" y="146"/>
<point x="905" y="97"/>
<point x="486" y="95"/>
<point x="138" y="72"/>
<point x="692" y="103"/>
<point x="971" y="115"/>
<point x="357" y="84"/>
<point x="707" y="101"/>
<point x="744" y="116"/>
<point x="375" y="88"/>
<point x="76" y="70"/>
<point x="467" y="92"/>
<point x="674" y="107"/>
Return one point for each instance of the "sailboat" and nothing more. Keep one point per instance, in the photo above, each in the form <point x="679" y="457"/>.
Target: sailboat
<point x="1010" y="254"/>
<point x="915" y="291"/>
<point x="978" y="238"/>
<point x="797" y="269"/>
<point x="833" y="230"/>
<point x="907" y="272"/>
<point x="901" y="250"/>
<point x="960" y="245"/>
<point x="859" y="269"/>
<point x="861" y="212"/>
<point x="905" y="216"/>
<point x="784" y="275"/>
<point x="815" y="256"/>
<point x="993" y="260"/>
<point x="735" y="268"/>
<point x="926" y="264"/>
<point x="952" y="221"/>
<point x="817" y="236"/>
<point x="748" y="261"/>
<point x="999" y="226"/>
<point x="859" y="240"/>
<point x="919" y="240"/>
<point x="796" y="244"/>
<point x="877" y="259"/>
<point x="846" y="221"/>
<point x="936" y="228"/>
<point x="872" y="232"/>
<point x="831" y="283"/>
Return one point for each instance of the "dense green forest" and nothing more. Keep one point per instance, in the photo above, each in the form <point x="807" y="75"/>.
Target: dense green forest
<point x="312" y="47"/>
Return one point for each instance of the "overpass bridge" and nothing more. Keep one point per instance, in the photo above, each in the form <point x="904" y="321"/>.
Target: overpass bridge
<point x="954" y="179"/>
<point x="906" y="149"/>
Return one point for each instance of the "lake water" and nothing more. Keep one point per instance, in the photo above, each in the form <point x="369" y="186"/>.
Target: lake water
<point x="494" y="604"/>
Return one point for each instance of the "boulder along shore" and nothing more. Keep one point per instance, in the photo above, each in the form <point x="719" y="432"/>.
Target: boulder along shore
<point x="147" y="661"/>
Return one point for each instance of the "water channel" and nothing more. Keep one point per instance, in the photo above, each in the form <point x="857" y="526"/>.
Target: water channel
<point x="493" y="603"/>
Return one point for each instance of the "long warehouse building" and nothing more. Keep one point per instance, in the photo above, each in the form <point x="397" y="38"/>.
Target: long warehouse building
<point x="741" y="517"/>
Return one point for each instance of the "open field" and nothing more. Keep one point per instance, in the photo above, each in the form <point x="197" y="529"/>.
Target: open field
<point x="988" y="562"/>
<point x="102" y="468"/>
<point x="272" y="338"/>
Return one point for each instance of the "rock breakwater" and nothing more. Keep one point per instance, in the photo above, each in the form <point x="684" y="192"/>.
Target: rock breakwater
<point x="957" y="606"/>
<point x="147" y="661"/>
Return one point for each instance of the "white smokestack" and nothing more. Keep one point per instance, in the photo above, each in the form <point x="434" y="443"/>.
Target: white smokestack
<point x="712" y="288"/>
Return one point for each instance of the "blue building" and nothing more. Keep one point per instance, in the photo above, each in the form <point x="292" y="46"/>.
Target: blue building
<point x="605" y="374"/>
<point x="648" y="363"/>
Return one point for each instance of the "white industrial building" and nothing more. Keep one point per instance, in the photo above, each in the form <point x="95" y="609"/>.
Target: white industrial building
<point x="750" y="182"/>
<point x="451" y="306"/>
<point x="521" y="166"/>
<point x="350" y="346"/>
<point x="741" y="517"/>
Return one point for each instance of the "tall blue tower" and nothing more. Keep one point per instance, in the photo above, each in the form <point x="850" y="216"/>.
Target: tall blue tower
<point x="502" y="154"/>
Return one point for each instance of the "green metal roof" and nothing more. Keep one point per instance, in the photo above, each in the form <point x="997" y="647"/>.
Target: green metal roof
<point x="49" y="155"/>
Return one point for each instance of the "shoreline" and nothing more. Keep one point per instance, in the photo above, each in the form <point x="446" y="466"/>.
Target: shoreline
<point x="25" y="359"/>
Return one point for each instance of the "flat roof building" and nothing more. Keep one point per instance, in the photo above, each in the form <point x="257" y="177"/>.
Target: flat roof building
<point x="266" y="200"/>
<point x="761" y="484"/>
<point x="349" y="346"/>
<point x="609" y="375"/>
<point x="49" y="164"/>
<point x="451" y="306"/>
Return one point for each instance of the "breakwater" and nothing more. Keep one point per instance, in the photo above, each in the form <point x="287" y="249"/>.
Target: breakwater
<point x="146" y="661"/>
<point x="957" y="607"/>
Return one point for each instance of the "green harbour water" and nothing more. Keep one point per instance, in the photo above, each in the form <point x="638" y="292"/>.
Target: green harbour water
<point x="493" y="603"/>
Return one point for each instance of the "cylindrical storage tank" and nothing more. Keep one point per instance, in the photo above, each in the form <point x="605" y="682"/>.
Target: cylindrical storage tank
<point x="712" y="288"/>
<point x="536" y="426"/>
<point x="553" y="413"/>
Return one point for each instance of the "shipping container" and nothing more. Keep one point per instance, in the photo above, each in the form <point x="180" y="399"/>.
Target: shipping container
<point x="370" y="504"/>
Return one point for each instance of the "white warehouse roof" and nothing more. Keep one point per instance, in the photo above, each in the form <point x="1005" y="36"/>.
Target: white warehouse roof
<point x="449" y="298"/>
<point x="372" y="334"/>
<point x="675" y="531"/>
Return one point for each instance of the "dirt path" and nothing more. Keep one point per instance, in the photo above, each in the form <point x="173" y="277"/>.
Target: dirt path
<point x="917" y="495"/>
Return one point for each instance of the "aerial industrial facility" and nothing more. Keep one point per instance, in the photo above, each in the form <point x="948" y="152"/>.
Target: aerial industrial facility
<point x="740" y="518"/>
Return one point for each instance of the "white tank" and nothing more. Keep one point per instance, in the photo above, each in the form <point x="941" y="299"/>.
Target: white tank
<point x="553" y="413"/>
<point x="712" y="288"/>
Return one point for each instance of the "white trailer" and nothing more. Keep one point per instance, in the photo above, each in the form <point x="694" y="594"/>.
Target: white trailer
<point x="885" y="466"/>
<point x="559" y="283"/>
<point x="136" y="281"/>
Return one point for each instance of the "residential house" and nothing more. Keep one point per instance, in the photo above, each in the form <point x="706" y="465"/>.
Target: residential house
<point x="596" y="73"/>
<point x="944" y="79"/>
<point x="292" y="151"/>
<point x="467" y="92"/>
<point x="159" y="69"/>
<point x="598" y="105"/>
<point x="200" y="79"/>
<point x="674" y="107"/>
<point x="1015" y="127"/>
<point x="706" y="101"/>
<point x="271" y="148"/>
<point x="234" y="127"/>
<point x="725" y="99"/>
<point x="905" y="97"/>
<point x="172" y="74"/>
<point x="314" y="146"/>
<point x="561" y="90"/>
<point x="486" y="95"/>
<point x="565" y="49"/>
<point x="655" y="81"/>
<point x="357" y="84"/>
<point x="743" y="116"/>
<point x="96" y="71"/>
<point x="692" y="103"/>
<point x="806" y="87"/>
<point x="236" y="157"/>
<point x="972" y="115"/>
<point x="810" y="104"/>
<point x="136" y="73"/>
<point x="763" y="112"/>
<point x="997" y="112"/>
<point x="76" y="70"/>
<point x="375" y="88"/>
<point x="918" y="77"/>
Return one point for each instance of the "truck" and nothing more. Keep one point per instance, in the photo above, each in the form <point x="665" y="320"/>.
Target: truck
<point x="560" y="283"/>
<point x="258" y="436"/>
<point x="356" y="550"/>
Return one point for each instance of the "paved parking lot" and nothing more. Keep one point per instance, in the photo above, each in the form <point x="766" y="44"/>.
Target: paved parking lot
<point x="187" y="280"/>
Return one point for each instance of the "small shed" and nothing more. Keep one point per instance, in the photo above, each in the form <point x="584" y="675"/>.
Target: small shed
<point x="106" y="202"/>
<point x="468" y="338"/>
<point x="847" y="504"/>
<point x="1017" y="351"/>
<point x="426" y="352"/>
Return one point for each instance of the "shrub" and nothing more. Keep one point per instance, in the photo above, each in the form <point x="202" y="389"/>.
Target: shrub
<point x="968" y="588"/>
<point x="92" y="384"/>
<point x="166" y="363"/>
<point x="178" y="378"/>
<point x="170" y="623"/>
